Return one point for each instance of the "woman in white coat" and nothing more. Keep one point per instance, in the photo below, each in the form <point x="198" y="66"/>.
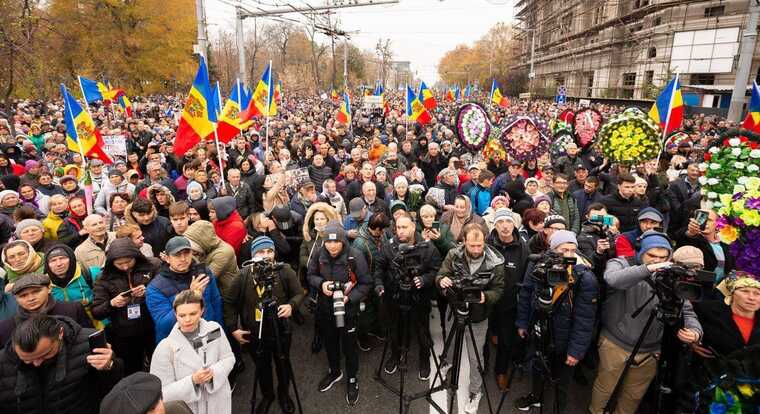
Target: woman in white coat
<point x="194" y="360"/>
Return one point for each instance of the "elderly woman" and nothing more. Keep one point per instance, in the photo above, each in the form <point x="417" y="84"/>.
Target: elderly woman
<point x="32" y="231"/>
<point x="20" y="259"/>
<point x="195" y="375"/>
<point x="434" y="231"/>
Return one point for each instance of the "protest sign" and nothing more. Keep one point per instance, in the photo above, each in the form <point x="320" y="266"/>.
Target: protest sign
<point x="372" y="102"/>
<point x="115" y="145"/>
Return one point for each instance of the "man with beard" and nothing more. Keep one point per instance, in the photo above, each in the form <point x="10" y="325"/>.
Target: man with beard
<point x="390" y="270"/>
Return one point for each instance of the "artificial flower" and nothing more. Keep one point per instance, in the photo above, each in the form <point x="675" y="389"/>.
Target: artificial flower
<point x="728" y="234"/>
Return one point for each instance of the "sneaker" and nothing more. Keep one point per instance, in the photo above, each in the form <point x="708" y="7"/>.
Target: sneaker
<point x="363" y="342"/>
<point x="391" y="364"/>
<point x="471" y="407"/>
<point x="424" y="373"/>
<point x="525" y="403"/>
<point x="286" y="403"/>
<point x="352" y="392"/>
<point x="330" y="379"/>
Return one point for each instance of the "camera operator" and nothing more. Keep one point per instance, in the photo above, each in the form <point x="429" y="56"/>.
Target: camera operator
<point x="339" y="271"/>
<point x="245" y="300"/>
<point x="407" y="256"/>
<point x="596" y="240"/>
<point x="506" y="240"/>
<point x="473" y="259"/>
<point x="628" y="289"/>
<point x="572" y="315"/>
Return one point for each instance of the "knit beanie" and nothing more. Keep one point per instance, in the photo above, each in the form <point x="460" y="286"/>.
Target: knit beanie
<point x="26" y="223"/>
<point x="554" y="219"/>
<point x="6" y="193"/>
<point x="261" y="243"/>
<point x="561" y="237"/>
<point x="503" y="214"/>
<point x="653" y="239"/>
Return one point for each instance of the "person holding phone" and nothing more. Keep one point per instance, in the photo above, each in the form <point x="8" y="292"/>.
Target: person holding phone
<point x="193" y="361"/>
<point x="702" y="234"/>
<point x="181" y="272"/>
<point x="119" y="295"/>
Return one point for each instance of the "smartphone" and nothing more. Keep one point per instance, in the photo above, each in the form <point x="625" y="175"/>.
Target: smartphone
<point x="436" y="225"/>
<point x="126" y="293"/>
<point x="701" y="217"/>
<point x="97" y="340"/>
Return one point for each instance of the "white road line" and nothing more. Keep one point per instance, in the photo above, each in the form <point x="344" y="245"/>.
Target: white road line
<point x="464" y="371"/>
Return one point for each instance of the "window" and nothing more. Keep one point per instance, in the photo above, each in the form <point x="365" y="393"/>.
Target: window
<point x="648" y="77"/>
<point x="715" y="11"/>
<point x="757" y="75"/>
<point x="640" y="3"/>
<point x="702" y="79"/>
<point x="652" y="52"/>
<point x="629" y="80"/>
<point x="657" y="21"/>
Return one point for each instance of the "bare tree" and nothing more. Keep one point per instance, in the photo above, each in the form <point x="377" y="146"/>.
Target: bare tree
<point x="385" y="54"/>
<point x="280" y="36"/>
<point x="317" y="51"/>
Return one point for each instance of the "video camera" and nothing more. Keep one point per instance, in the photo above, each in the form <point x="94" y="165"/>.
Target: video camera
<point x="551" y="268"/>
<point x="408" y="264"/>
<point x="601" y="225"/>
<point x="264" y="273"/>
<point x="466" y="288"/>
<point x="675" y="284"/>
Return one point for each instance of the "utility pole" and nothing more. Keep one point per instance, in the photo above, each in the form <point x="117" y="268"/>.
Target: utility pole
<point x="532" y="74"/>
<point x="345" y="63"/>
<point x="242" y="72"/>
<point x="201" y="47"/>
<point x="243" y="13"/>
<point x="745" y="63"/>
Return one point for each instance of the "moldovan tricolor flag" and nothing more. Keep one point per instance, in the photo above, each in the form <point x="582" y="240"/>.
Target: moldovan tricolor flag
<point x="427" y="98"/>
<point x="262" y="102"/>
<point x="198" y="116"/>
<point x="81" y="134"/>
<point x="496" y="97"/>
<point x="668" y="109"/>
<point x="126" y="105"/>
<point x="229" y="125"/>
<point x="98" y="91"/>
<point x="344" y="113"/>
<point x="752" y="121"/>
<point x="415" y="111"/>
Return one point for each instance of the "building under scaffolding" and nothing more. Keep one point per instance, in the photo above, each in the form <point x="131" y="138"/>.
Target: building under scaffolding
<point x="630" y="48"/>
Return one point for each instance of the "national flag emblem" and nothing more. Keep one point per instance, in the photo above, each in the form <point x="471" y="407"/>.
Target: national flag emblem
<point x="415" y="110"/>
<point x="427" y="98"/>
<point x="344" y="113"/>
<point x="496" y="97"/>
<point x="199" y="115"/>
<point x="81" y="134"/>
<point x="262" y="102"/>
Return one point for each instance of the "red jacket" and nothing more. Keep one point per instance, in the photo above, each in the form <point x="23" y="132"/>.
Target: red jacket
<point x="229" y="225"/>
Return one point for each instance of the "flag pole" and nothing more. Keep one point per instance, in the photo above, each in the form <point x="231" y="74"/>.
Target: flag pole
<point x="86" y="108"/>
<point x="218" y="98"/>
<point x="667" y="121"/>
<point x="269" y="106"/>
<point x="406" y="110"/>
<point x="240" y="104"/>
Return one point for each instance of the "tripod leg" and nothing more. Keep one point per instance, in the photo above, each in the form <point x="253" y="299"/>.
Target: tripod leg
<point x="509" y="386"/>
<point x="458" y="331"/>
<point x="479" y="367"/>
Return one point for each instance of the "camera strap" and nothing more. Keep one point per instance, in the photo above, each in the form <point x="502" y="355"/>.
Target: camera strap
<point x="565" y="288"/>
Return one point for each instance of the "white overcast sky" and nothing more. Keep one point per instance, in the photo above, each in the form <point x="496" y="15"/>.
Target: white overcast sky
<point x="421" y="31"/>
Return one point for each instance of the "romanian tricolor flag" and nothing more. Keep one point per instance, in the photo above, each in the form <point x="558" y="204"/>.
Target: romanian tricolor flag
<point x="415" y="110"/>
<point x="752" y="121"/>
<point x="97" y="91"/>
<point x="229" y="125"/>
<point x="668" y="109"/>
<point x="496" y="97"/>
<point x="198" y="116"/>
<point x="81" y="134"/>
<point x="126" y="105"/>
<point x="344" y="113"/>
<point x="426" y="95"/>
<point x="262" y="102"/>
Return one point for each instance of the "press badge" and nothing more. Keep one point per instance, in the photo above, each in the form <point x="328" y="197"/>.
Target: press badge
<point x="133" y="311"/>
<point x="259" y="315"/>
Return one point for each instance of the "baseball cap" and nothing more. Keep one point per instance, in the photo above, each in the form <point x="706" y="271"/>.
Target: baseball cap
<point x="30" y="280"/>
<point x="580" y="167"/>
<point x="355" y="207"/>
<point x="334" y="232"/>
<point x="135" y="394"/>
<point x="651" y="214"/>
<point x="177" y="244"/>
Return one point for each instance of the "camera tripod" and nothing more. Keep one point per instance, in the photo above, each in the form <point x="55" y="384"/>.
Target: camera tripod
<point x="461" y="325"/>
<point x="403" y="330"/>
<point x="656" y="313"/>
<point x="269" y="315"/>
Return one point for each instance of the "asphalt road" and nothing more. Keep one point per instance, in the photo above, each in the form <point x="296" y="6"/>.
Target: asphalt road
<point x="375" y="398"/>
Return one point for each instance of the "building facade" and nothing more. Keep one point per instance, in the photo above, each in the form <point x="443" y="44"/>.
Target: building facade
<point x="630" y="48"/>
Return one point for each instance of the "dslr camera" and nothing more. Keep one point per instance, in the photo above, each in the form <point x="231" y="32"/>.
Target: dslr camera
<point x="339" y="307"/>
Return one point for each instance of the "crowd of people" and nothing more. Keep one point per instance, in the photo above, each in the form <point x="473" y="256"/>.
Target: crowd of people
<point x="188" y="262"/>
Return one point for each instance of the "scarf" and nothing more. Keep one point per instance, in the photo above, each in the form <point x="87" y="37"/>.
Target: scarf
<point x="33" y="262"/>
<point x="457" y="223"/>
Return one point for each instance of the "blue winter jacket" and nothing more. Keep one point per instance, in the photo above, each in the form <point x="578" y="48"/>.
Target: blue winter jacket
<point x="573" y="321"/>
<point x="166" y="285"/>
<point x="480" y="197"/>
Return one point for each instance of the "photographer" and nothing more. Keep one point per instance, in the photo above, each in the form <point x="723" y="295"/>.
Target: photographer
<point x="628" y="290"/>
<point x="339" y="270"/>
<point x="702" y="233"/>
<point x="597" y="240"/>
<point x="571" y="316"/>
<point x="404" y="272"/>
<point x="246" y="299"/>
<point x="473" y="260"/>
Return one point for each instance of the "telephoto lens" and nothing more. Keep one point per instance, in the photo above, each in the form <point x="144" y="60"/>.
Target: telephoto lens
<point x="339" y="308"/>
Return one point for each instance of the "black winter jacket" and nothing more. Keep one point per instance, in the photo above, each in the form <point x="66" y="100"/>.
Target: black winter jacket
<point x="515" y="256"/>
<point x="65" y="384"/>
<point x="387" y="276"/>
<point x="73" y="310"/>
<point x="328" y="268"/>
<point x="626" y="211"/>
